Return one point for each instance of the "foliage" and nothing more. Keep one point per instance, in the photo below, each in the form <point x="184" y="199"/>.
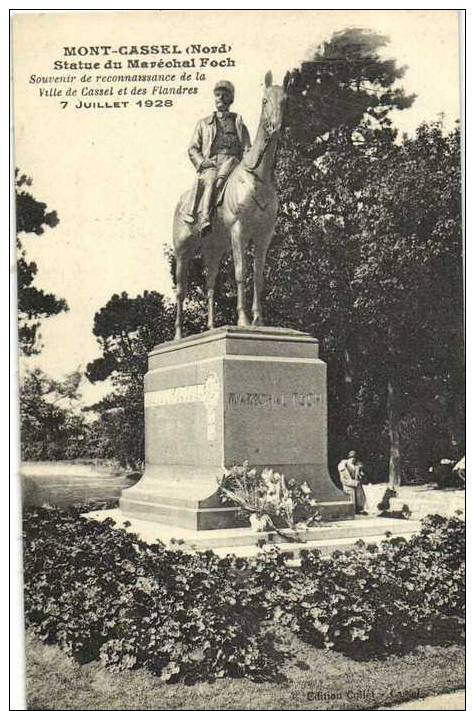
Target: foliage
<point x="127" y="328"/>
<point x="118" y="431"/>
<point x="409" y="281"/>
<point x="269" y="496"/>
<point x="50" y="426"/>
<point x="380" y="600"/>
<point x="101" y="593"/>
<point x="33" y="303"/>
<point x="377" y="247"/>
<point x="345" y="89"/>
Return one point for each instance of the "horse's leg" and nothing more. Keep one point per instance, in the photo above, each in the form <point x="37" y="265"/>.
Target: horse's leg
<point x="239" y="258"/>
<point x="260" y="252"/>
<point x="181" y="284"/>
<point x="212" y="258"/>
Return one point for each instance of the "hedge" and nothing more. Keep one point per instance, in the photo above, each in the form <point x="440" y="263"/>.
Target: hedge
<point x="101" y="593"/>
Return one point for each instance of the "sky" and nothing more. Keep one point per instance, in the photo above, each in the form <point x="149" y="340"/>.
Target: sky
<point x="114" y="176"/>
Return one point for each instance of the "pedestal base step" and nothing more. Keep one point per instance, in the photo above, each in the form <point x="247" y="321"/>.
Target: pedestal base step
<point x="186" y="516"/>
<point x="244" y="542"/>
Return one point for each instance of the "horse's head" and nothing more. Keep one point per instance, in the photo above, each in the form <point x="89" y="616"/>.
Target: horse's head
<point x="273" y="104"/>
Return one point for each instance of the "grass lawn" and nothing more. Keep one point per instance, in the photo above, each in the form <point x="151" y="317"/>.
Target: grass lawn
<point x="315" y="679"/>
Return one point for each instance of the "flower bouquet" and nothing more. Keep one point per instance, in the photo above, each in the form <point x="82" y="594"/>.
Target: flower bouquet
<point x="269" y="501"/>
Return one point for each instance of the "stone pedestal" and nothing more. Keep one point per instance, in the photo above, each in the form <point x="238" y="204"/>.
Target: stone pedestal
<point x="222" y="397"/>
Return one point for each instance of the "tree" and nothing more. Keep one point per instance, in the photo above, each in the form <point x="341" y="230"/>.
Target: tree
<point x="127" y="329"/>
<point x="338" y="117"/>
<point x="379" y="276"/>
<point x="33" y="303"/>
<point x="118" y="431"/>
<point x="409" y="283"/>
<point x="344" y="91"/>
<point x="50" y="427"/>
<point x="310" y="286"/>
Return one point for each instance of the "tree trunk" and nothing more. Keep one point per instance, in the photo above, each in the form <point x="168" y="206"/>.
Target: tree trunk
<point x="394" y="420"/>
<point x="349" y="393"/>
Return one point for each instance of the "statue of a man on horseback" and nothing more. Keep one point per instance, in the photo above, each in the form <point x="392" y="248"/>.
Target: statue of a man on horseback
<point x="218" y="144"/>
<point x="245" y="212"/>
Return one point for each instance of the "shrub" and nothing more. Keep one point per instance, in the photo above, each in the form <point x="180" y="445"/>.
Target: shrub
<point x="373" y="600"/>
<point x="101" y="593"/>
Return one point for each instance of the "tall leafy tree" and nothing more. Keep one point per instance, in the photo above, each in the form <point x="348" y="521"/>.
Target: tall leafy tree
<point x="338" y="111"/>
<point x="344" y="91"/>
<point x="34" y="304"/>
<point x="127" y="328"/>
<point x="375" y="271"/>
<point x="409" y="283"/>
<point x="51" y="425"/>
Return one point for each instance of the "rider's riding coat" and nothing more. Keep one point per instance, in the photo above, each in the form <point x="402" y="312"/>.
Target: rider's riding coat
<point x="223" y="138"/>
<point x="206" y="130"/>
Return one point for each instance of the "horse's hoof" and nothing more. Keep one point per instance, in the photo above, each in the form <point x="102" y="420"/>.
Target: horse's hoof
<point x="243" y="322"/>
<point x="257" y="321"/>
<point x="177" y="335"/>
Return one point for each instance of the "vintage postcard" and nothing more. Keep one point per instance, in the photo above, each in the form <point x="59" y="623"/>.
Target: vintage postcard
<point x="240" y="305"/>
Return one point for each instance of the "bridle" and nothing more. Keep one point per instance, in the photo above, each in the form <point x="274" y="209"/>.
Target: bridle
<point x="269" y="131"/>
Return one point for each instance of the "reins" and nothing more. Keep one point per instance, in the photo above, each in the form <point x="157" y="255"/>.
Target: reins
<point x="267" y="140"/>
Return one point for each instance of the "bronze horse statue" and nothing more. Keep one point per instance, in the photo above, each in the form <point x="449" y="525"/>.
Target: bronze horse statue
<point x="246" y="213"/>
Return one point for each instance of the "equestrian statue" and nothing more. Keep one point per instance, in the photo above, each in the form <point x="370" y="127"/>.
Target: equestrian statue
<point x="233" y="200"/>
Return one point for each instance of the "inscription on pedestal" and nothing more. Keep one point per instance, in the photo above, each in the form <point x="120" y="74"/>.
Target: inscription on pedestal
<point x="208" y="393"/>
<point x="273" y="400"/>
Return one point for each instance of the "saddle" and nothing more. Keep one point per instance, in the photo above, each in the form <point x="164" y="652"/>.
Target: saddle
<point x="259" y="196"/>
<point x="196" y="198"/>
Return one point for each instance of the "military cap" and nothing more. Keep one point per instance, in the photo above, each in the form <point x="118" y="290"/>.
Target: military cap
<point x="223" y="84"/>
<point x="351" y="454"/>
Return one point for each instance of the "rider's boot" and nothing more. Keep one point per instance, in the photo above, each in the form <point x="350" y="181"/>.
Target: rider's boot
<point x="207" y="207"/>
<point x="189" y="215"/>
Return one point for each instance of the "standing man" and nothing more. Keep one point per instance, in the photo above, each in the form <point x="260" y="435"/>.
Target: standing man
<point x="217" y="146"/>
<point x="351" y="474"/>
